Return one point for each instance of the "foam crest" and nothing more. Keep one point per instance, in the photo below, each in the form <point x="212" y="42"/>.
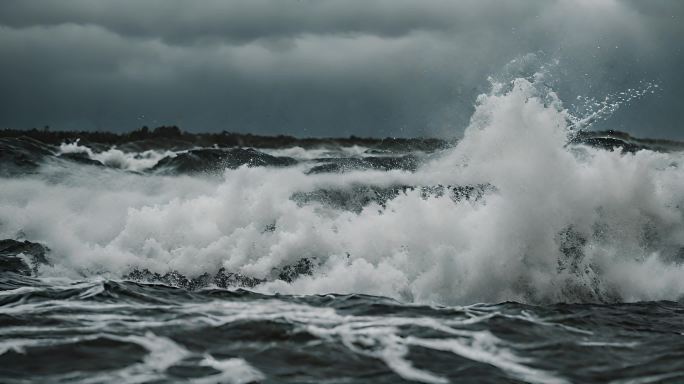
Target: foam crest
<point x="300" y="153"/>
<point x="233" y="371"/>
<point x="116" y="158"/>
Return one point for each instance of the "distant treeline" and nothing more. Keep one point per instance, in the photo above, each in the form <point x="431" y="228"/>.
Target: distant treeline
<point x="173" y="136"/>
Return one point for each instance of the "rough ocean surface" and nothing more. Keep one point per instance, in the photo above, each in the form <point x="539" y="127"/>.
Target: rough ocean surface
<point x="531" y="250"/>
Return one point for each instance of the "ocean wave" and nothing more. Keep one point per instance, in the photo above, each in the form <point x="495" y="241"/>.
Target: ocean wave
<point x="559" y="221"/>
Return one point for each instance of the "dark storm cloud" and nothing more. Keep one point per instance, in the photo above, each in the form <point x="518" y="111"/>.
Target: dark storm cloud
<point x="372" y="67"/>
<point x="246" y="20"/>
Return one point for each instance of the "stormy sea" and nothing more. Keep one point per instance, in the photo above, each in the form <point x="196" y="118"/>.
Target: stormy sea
<point x="531" y="250"/>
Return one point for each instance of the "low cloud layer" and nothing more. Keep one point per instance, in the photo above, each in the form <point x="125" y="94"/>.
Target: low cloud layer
<point x="324" y="67"/>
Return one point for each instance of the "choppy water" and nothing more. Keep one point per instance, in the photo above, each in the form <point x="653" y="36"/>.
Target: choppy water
<point x="114" y="331"/>
<point x="349" y="264"/>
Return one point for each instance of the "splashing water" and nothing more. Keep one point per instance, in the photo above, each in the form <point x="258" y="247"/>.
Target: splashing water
<point x="117" y="158"/>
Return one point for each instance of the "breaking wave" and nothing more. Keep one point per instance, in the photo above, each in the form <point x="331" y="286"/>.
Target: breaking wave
<point x="514" y="211"/>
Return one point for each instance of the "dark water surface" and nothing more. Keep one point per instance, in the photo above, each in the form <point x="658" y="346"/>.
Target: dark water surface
<point x="117" y="331"/>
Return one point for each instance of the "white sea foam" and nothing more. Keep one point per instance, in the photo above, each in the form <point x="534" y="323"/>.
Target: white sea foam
<point x="232" y="371"/>
<point x="116" y="158"/>
<point x="620" y="211"/>
<point x="378" y="337"/>
<point x="300" y="153"/>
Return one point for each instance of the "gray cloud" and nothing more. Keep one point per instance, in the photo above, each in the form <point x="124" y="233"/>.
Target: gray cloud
<point x="373" y="67"/>
<point x="246" y="20"/>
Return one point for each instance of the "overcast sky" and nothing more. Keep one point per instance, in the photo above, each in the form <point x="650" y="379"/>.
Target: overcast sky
<point x="324" y="67"/>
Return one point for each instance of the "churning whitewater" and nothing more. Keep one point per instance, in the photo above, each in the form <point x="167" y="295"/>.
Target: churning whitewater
<point x="350" y="264"/>
<point x="552" y="222"/>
